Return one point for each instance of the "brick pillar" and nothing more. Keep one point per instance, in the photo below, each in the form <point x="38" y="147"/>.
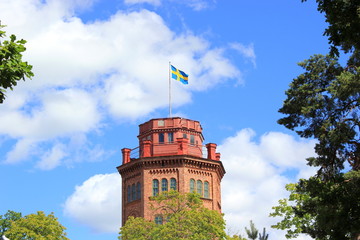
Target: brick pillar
<point x="211" y="148"/>
<point x="182" y="146"/>
<point x="146" y="149"/>
<point x="126" y="155"/>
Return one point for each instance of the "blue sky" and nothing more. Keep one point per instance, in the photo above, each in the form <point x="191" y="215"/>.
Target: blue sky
<point x="101" y="69"/>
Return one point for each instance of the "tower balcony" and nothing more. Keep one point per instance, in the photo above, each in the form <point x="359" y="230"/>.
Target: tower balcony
<point x="180" y="147"/>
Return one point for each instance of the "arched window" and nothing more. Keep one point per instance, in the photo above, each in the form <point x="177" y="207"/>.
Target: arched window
<point x="192" y="185"/>
<point x="164" y="185"/>
<point x="206" y="189"/>
<point x="129" y="193"/>
<point x="173" y="184"/>
<point x="158" y="219"/>
<point x="138" y="191"/>
<point x="155" y="187"/>
<point x="199" y="188"/>
<point x="133" y="192"/>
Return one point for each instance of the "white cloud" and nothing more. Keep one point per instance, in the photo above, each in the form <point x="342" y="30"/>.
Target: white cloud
<point x="256" y="176"/>
<point x="52" y="158"/>
<point x="97" y="203"/>
<point x="59" y="152"/>
<point x="152" y="2"/>
<point x="56" y="113"/>
<point x="86" y="72"/>
<point x="196" y="5"/>
<point x="247" y="51"/>
<point x="21" y="151"/>
<point x="285" y="152"/>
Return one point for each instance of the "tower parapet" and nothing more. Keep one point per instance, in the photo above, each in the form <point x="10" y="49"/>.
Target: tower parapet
<point x="172" y="136"/>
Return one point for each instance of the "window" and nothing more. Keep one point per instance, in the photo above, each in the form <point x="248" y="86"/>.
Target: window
<point x="184" y="135"/>
<point x="158" y="219"/>
<point x="164" y="185"/>
<point x="129" y="193"/>
<point x="192" y="139"/>
<point x="173" y="184"/>
<point x="133" y="192"/>
<point x="170" y="137"/>
<point x="206" y="189"/>
<point x="138" y="191"/>
<point x="155" y="187"/>
<point x="199" y="186"/>
<point x="192" y="185"/>
<point x="161" y="138"/>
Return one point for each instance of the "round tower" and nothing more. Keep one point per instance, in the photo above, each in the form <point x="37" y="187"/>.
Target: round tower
<point x="170" y="156"/>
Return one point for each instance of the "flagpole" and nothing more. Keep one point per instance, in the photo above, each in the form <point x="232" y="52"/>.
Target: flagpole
<point x="169" y="89"/>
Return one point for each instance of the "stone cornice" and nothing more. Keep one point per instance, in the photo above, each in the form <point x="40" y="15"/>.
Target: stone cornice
<point x="172" y="162"/>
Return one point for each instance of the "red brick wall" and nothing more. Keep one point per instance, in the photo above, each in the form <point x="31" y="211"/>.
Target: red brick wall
<point x="174" y="168"/>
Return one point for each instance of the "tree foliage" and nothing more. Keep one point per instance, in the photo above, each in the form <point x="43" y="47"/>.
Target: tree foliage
<point x="264" y="235"/>
<point x="323" y="103"/>
<point x="37" y="226"/>
<point x="343" y="17"/>
<point x="323" y="210"/>
<point x="12" y="67"/>
<point x="184" y="218"/>
<point x="137" y="228"/>
<point x="252" y="232"/>
<point x="235" y="237"/>
<point x="6" y="219"/>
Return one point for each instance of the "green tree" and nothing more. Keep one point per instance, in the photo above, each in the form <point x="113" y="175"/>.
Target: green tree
<point x="264" y="235"/>
<point x="323" y="103"/>
<point x="35" y="226"/>
<point x="184" y="217"/>
<point x="6" y="219"/>
<point x="252" y="232"/>
<point x="236" y="237"/>
<point x="343" y="17"/>
<point x="324" y="210"/>
<point x="137" y="228"/>
<point x="12" y="67"/>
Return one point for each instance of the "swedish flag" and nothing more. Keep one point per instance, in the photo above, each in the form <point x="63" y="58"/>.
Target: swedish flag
<point x="179" y="75"/>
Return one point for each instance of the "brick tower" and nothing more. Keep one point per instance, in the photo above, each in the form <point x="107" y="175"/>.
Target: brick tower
<point x="169" y="157"/>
